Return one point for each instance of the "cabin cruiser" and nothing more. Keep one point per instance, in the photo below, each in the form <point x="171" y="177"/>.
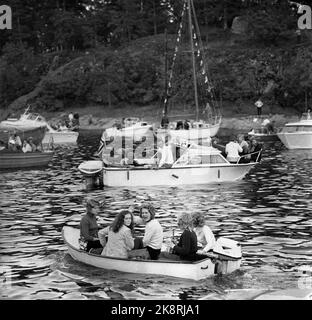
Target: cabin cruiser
<point x="34" y="120"/>
<point x="297" y="135"/>
<point x="196" y="165"/>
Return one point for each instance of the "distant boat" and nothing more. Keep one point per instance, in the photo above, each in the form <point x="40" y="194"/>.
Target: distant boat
<point x="16" y="160"/>
<point x="130" y="128"/>
<point x="297" y="135"/>
<point x="30" y="120"/>
<point x="227" y="261"/>
<point x="263" y="135"/>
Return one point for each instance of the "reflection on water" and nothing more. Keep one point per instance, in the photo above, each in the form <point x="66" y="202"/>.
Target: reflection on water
<point x="269" y="212"/>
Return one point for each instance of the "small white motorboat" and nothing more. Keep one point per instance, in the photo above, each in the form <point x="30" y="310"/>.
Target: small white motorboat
<point x="297" y="135"/>
<point x="262" y="134"/>
<point x="60" y="137"/>
<point x="197" y="165"/>
<point x="226" y="261"/>
<point x="132" y="128"/>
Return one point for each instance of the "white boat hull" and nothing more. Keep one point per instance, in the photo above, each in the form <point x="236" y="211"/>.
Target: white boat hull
<point x="192" y="134"/>
<point x="59" y="137"/>
<point x="131" y="177"/>
<point x="296" y="140"/>
<point x="189" y="270"/>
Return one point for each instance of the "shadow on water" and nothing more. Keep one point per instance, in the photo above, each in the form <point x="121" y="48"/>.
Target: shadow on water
<point x="268" y="212"/>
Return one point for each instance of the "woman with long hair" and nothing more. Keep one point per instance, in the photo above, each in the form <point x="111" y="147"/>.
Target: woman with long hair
<point x="187" y="245"/>
<point x="204" y="234"/>
<point x="120" y="240"/>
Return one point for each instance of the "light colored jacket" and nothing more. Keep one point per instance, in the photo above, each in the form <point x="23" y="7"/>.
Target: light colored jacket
<point x="118" y="244"/>
<point x="232" y="150"/>
<point x="205" y="237"/>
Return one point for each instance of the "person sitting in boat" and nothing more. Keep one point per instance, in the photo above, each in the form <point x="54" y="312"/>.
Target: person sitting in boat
<point x="186" y="125"/>
<point x="120" y="240"/>
<point x="309" y="114"/>
<point x="166" y="154"/>
<point x="75" y="122"/>
<point x="15" y="142"/>
<point x="245" y="146"/>
<point x="62" y="126"/>
<point x="232" y="150"/>
<point x="179" y="125"/>
<point x="205" y="237"/>
<point x="26" y="146"/>
<point x="187" y="246"/>
<point x="88" y="226"/>
<point x="270" y="127"/>
<point x="255" y="148"/>
<point x="153" y="235"/>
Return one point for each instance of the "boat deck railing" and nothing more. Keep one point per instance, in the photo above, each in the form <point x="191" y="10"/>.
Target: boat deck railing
<point x="247" y="157"/>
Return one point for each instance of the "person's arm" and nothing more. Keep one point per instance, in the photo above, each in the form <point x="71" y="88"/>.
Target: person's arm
<point x="129" y="241"/>
<point x="185" y="247"/>
<point x="84" y="229"/>
<point x="147" y="235"/>
<point x="210" y="239"/>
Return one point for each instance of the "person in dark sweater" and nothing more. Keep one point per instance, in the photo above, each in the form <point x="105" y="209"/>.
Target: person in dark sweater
<point x="187" y="245"/>
<point x="89" y="227"/>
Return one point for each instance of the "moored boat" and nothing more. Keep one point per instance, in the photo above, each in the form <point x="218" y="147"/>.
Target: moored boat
<point x="196" y="270"/>
<point x="263" y="135"/>
<point x="297" y="135"/>
<point x="15" y="160"/>
<point x="197" y="165"/>
<point x="37" y="133"/>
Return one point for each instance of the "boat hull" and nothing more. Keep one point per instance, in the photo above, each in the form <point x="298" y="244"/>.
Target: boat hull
<point x="58" y="137"/>
<point x="188" y="270"/>
<point x="131" y="177"/>
<point x="131" y="132"/>
<point x="296" y="140"/>
<point x="264" y="137"/>
<point x="37" y="133"/>
<point x="15" y="160"/>
<point x="192" y="134"/>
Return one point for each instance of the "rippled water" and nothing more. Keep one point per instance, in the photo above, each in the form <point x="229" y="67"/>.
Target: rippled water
<point x="269" y="212"/>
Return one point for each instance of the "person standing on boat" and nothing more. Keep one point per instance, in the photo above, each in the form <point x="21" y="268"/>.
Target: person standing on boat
<point x="153" y="235"/>
<point x="259" y="105"/>
<point x="120" y="240"/>
<point x="309" y="114"/>
<point x="204" y="234"/>
<point x="166" y="153"/>
<point x="89" y="227"/>
<point x="232" y="149"/>
<point x="187" y="246"/>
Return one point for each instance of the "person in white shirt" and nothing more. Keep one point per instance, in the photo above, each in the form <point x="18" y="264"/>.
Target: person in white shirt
<point x="166" y="153"/>
<point x="26" y="147"/>
<point x="232" y="149"/>
<point x="15" y="142"/>
<point x="205" y="237"/>
<point x="153" y="236"/>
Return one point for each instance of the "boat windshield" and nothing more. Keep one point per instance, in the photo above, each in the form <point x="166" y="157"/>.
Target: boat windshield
<point x="194" y="157"/>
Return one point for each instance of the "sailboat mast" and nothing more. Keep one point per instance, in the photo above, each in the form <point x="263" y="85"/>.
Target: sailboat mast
<point x="193" y="57"/>
<point x="166" y="79"/>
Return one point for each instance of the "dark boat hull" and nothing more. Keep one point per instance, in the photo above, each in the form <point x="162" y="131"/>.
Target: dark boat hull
<point x="37" y="133"/>
<point x="16" y="160"/>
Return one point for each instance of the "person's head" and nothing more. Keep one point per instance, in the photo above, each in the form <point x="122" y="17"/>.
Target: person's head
<point x="198" y="220"/>
<point x="185" y="221"/>
<point x="124" y="217"/>
<point x="240" y="138"/>
<point x="147" y="212"/>
<point x="93" y="206"/>
<point x="253" y="142"/>
<point x="30" y="140"/>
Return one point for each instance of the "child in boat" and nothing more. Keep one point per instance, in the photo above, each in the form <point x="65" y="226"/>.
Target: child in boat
<point x="153" y="236"/>
<point x="88" y="226"/>
<point x="120" y="240"/>
<point x="204" y="234"/>
<point x="26" y="146"/>
<point x="232" y="149"/>
<point x="15" y="142"/>
<point x="187" y="246"/>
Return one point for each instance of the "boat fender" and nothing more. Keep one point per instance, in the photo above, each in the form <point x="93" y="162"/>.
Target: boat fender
<point x="175" y="176"/>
